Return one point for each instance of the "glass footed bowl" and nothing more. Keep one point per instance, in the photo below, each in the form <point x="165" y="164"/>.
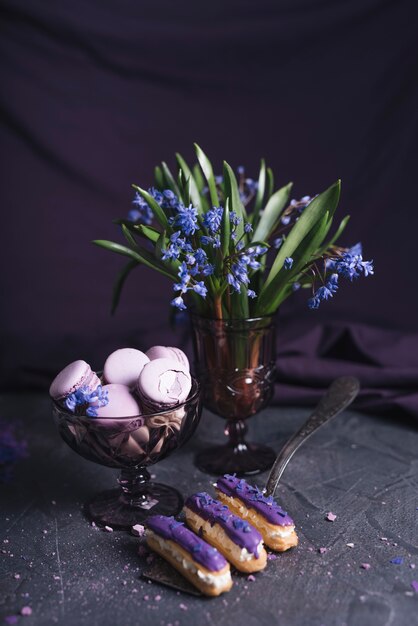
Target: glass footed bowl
<point x="131" y="444"/>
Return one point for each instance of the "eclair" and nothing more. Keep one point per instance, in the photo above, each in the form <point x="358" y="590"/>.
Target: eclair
<point x="196" y="560"/>
<point x="275" y="525"/>
<point x="235" y="538"/>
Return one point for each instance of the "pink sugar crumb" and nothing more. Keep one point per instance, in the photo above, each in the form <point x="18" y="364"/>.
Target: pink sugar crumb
<point x="365" y="566"/>
<point x="331" y="517"/>
<point x="322" y="550"/>
<point x="271" y="557"/>
<point x="183" y="607"/>
<point x="138" y="530"/>
<point x="108" y="529"/>
<point x="157" y="598"/>
<point x="26" y="610"/>
<point x="146" y="598"/>
<point x="251" y="578"/>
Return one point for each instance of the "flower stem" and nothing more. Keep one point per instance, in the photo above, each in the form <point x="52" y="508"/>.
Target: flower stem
<point x="218" y="307"/>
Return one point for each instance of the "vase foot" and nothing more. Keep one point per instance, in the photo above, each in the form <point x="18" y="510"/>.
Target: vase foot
<point x="111" y="508"/>
<point x="245" y="460"/>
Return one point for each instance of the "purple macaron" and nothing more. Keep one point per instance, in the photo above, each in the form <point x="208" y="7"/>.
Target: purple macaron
<point x="72" y="378"/>
<point x="168" y="352"/>
<point x="121" y="402"/>
<point x="163" y="383"/>
<point x="124" y="366"/>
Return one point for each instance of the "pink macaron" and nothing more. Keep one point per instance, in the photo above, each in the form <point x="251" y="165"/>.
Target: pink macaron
<point x="124" y="366"/>
<point x="76" y="375"/>
<point x="163" y="383"/>
<point x="122" y="403"/>
<point x="168" y="352"/>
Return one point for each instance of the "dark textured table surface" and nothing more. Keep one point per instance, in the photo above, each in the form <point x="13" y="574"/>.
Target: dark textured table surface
<point x="362" y="469"/>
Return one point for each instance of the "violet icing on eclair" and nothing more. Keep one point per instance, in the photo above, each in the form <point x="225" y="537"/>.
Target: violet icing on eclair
<point x="275" y="525"/>
<point x="234" y="537"/>
<point x="195" y="559"/>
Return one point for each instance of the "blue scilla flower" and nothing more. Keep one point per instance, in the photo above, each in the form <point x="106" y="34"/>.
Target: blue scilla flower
<point x="213" y="218"/>
<point x="200" y="256"/>
<point x="200" y="288"/>
<point x="86" y="397"/>
<point x="288" y="263"/>
<point x="185" y="219"/>
<point x="285" y="220"/>
<point x="252" y="185"/>
<point x="325" y="292"/>
<point x="251" y="293"/>
<point x="208" y="269"/>
<point x="248" y="228"/>
<point x="178" y="303"/>
<point x="233" y="282"/>
<point x="215" y="242"/>
<point x="277" y="243"/>
<point x="296" y="286"/>
<point x="171" y="253"/>
<point x="142" y="212"/>
<point x="234" y="218"/>
<point x="351" y="266"/>
<point x="156" y="194"/>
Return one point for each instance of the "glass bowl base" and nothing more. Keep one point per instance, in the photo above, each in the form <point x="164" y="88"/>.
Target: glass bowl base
<point x="113" y="508"/>
<point x="243" y="460"/>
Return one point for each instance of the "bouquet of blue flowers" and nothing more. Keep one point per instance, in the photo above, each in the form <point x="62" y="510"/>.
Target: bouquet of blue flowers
<point x="235" y="247"/>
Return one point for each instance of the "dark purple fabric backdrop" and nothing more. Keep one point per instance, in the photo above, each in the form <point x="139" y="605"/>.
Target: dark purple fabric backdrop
<point x="94" y="94"/>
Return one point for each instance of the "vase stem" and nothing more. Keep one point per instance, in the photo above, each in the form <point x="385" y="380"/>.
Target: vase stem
<point x="236" y="430"/>
<point x="134" y="483"/>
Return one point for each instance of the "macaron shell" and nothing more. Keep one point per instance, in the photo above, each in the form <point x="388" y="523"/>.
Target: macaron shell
<point x="121" y="402"/>
<point x="74" y="376"/>
<point x="124" y="366"/>
<point x="168" y="352"/>
<point x="164" y="382"/>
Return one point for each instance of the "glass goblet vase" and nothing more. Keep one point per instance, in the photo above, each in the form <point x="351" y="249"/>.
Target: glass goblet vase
<point x="131" y="444"/>
<point x="235" y="365"/>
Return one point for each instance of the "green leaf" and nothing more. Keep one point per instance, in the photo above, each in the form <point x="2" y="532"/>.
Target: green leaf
<point x="148" y="232"/>
<point x="188" y="175"/>
<point x="160" y="216"/>
<point x="128" y="236"/>
<point x="325" y="202"/>
<point x="260" y="192"/>
<point x="119" y="283"/>
<point x="273" y="294"/>
<point x="169" y="179"/>
<point x="337" y="234"/>
<point x="160" y="244"/>
<point x="140" y="256"/>
<point x="198" y="176"/>
<point x="272" y="212"/>
<point x="270" y="183"/>
<point x="159" y="178"/>
<point x="225" y="230"/>
<point x="207" y="169"/>
<point x="232" y="192"/>
<point x="239" y="304"/>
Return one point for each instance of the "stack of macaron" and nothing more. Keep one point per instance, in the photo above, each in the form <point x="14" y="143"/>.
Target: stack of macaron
<point x="133" y="383"/>
<point x="236" y="526"/>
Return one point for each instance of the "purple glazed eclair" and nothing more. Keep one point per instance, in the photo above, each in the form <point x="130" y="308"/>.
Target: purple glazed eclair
<point x="196" y="560"/>
<point x="235" y="538"/>
<point x="275" y="525"/>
